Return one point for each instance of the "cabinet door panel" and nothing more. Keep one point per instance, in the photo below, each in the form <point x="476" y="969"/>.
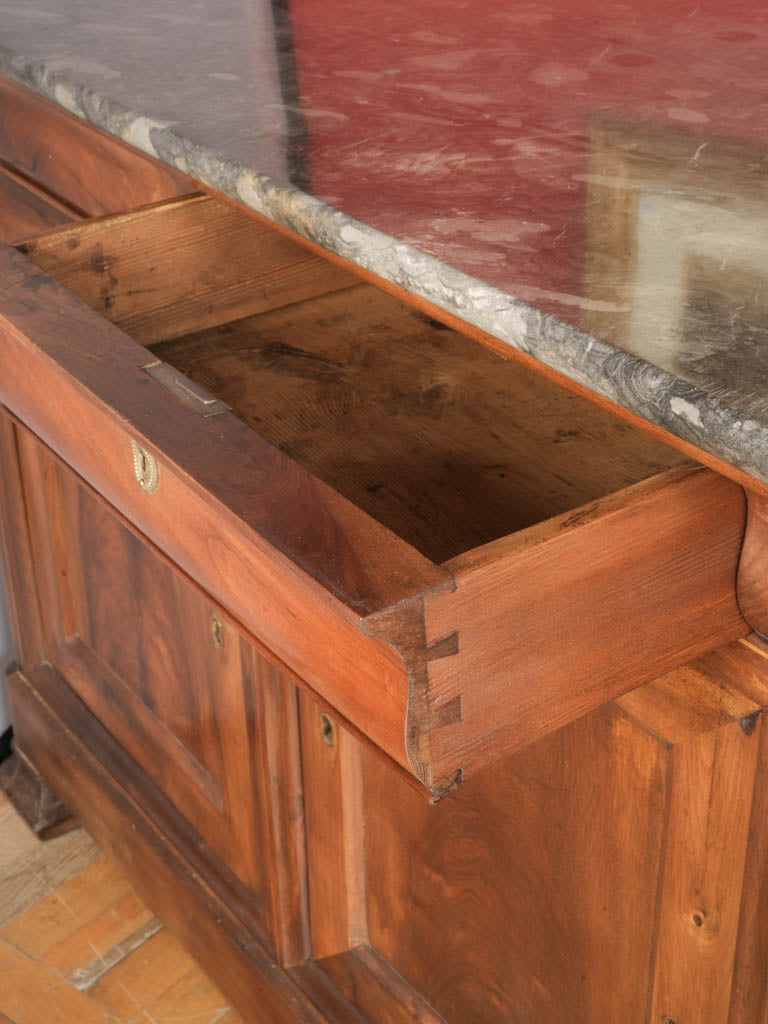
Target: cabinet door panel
<point x="612" y="871"/>
<point x="173" y="680"/>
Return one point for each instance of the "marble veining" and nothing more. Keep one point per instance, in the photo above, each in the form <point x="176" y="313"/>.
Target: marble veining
<point x="584" y="181"/>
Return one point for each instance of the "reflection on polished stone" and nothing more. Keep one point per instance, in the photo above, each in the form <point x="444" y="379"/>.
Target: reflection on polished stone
<point x="582" y="179"/>
<point x="677" y="256"/>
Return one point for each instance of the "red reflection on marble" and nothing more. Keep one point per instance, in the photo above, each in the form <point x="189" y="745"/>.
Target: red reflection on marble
<point x="464" y="128"/>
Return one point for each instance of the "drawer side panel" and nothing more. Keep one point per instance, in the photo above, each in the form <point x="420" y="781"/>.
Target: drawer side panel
<point x="564" y="617"/>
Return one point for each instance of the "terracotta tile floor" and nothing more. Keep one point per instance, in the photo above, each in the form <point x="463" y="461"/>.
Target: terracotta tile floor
<point x="77" y="946"/>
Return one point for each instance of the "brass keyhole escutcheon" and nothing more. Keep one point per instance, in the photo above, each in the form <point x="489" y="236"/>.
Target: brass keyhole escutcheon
<point x="145" y="468"/>
<point x="217" y="630"/>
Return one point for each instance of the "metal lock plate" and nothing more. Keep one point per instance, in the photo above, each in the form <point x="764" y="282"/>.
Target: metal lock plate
<point x="187" y="391"/>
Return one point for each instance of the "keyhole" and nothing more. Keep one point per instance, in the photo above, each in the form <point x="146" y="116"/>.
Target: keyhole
<point x="145" y="468"/>
<point x="326" y="729"/>
<point x="217" y="630"/>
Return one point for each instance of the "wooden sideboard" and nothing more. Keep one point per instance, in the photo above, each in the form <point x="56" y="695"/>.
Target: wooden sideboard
<point x="404" y="683"/>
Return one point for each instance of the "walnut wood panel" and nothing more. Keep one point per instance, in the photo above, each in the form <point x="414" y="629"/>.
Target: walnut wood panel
<point x="375" y="990"/>
<point x="206" y="720"/>
<point x="153" y="737"/>
<point x="182" y="265"/>
<point x="714" y="842"/>
<point x="710" y="796"/>
<point x="611" y="871"/>
<point x="18" y="566"/>
<point x="135" y="641"/>
<point x="332" y="768"/>
<point x="26" y="210"/>
<point x="279" y="772"/>
<point x="159" y="871"/>
<point x="142" y="787"/>
<point x="77" y="162"/>
<point x="323" y="992"/>
<point x="749" y="991"/>
<point x="529" y="894"/>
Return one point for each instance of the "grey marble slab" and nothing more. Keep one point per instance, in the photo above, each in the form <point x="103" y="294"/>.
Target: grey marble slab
<point x="587" y="182"/>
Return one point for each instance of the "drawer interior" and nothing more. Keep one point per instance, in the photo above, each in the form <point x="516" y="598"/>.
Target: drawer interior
<point x="438" y="438"/>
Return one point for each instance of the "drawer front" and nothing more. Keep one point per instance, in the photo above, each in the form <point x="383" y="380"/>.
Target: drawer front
<point x="166" y="673"/>
<point x="295" y="563"/>
<point x="77" y="162"/>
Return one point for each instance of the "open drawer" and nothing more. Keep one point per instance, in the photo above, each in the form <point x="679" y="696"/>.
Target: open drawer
<point x="455" y="554"/>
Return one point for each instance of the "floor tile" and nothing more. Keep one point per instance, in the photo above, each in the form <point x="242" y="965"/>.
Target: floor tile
<point x="141" y="978"/>
<point x="33" y="994"/>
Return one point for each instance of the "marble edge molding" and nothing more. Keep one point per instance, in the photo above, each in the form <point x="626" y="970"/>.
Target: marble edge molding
<point x="652" y="393"/>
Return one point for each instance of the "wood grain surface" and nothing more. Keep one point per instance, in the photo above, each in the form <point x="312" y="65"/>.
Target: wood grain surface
<point x="24" y="609"/>
<point x="182" y="265"/>
<point x="742" y="666"/>
<point x="230" y="543"/>
<point x="26" y="210"/>
<point x="610" y="871"/>
<point x="548" y="623"/>
<point x="439" y="439"/>
<point x="710" y="803"/>
<point x="749" y="991"/>
<point x="753" y="578"/>
<point x="80" y="164"/>
<point x="198" y="710"/>
<point x="376" y="991"/>
<point x="332" y="771"/>
<point x="279" y="780"/>
<point x="528" y="893"/>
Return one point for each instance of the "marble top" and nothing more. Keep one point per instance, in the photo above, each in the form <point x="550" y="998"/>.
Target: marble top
<point x="587" y="181"/>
